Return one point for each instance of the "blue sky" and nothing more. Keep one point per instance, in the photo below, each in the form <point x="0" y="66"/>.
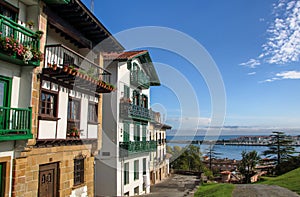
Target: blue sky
<point x="255" y="44"/>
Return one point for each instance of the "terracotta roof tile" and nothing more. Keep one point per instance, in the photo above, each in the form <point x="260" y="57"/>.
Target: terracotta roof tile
<point x="127" y="55"/>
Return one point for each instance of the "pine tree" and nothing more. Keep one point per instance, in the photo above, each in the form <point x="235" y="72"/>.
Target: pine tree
<point x="280" y="147"/>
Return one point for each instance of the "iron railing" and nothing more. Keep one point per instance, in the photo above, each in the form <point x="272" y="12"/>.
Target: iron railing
<point x="128" y="110"/>
<point x="134" y="147"/>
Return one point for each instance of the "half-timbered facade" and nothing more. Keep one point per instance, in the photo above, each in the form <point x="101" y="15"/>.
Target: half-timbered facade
<point x="65" y="91"/>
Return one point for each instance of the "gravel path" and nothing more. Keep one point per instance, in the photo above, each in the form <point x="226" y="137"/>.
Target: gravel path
<point x="255" y="190"/>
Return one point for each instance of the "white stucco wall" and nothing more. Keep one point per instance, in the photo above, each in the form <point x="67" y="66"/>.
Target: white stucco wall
<point x="62" y="113"/>
<point x="47" y="129"/>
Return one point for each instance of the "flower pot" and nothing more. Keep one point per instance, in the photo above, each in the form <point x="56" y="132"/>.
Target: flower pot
<point x="65" y="69"/>
<point x="70" y="70"/>
<point x="54" y="67"/>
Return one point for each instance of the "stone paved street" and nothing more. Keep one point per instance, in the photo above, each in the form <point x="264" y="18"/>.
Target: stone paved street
<point x="175" y="186"/>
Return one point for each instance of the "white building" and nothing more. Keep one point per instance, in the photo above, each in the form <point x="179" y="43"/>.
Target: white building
<point x="159" y="163"/>
<point x="123" y="164"/>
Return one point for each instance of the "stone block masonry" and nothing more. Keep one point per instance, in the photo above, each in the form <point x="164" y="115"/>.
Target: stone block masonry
<point x="26" y="169"/>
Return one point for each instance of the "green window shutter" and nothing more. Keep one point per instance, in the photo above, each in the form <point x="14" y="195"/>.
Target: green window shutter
<point x="126" y="91"/>
<point x="129" y="65"/>
<point x="126" y="132"/>
<point x="144" y="129"/>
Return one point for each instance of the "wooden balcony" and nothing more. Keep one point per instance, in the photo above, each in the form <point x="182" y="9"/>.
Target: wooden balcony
<point x="15" y="123"/>
<point x="134" y="147"/>
<point x="18" y="44"/>
<point x="73" y="71"/>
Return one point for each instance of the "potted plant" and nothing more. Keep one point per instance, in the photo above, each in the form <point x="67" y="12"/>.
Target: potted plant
<point x="39" y="34"/>
<point x="73" y="132"/>
<point x="30" y="24"/>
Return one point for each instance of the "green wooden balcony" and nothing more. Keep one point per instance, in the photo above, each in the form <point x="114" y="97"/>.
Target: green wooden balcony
<point x="18" y="44"/>
<point x="15" y="123"/>
<point x="134" y="147"/>
<point x="131" y="111"/>
<point x="139" y="79"/>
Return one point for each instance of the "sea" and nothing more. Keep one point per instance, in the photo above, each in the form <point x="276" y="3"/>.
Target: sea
<point x="222" y="151"/>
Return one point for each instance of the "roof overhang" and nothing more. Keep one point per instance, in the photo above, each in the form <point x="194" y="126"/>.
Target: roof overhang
<point x="144" y="58"/>
<point x="82" y="27"/>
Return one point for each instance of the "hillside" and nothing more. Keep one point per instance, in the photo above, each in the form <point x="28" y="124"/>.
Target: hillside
<point x="290" y="180"/>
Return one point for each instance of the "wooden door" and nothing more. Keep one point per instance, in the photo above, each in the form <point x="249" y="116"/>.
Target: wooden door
<point x="48" y="180"/>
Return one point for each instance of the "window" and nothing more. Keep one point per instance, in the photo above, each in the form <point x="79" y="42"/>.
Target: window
<point x="93" y="113"/>
<point x="48" y="104"/>
<point x="136" y="169"/>
<point x="78" y="171"/>
<point x="144" y="166"/>
<point x="73" y="114"/>
<point x="73" y="109"/>
<point x="126" y="91"/>
<point x="136" y="132"/>
<point x="144" y="130"/>
<point x="126" y="173"/>
<point x="8" y="10"/>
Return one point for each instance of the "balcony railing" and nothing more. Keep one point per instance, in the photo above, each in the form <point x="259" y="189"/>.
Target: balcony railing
<point x="129" y="148"/>
<point x="128" y="110"/>
<point x="139" y="78"/>
<point x="15" y="40"/>
<point x="15" y="123"/>
<point x="64" y="65"/>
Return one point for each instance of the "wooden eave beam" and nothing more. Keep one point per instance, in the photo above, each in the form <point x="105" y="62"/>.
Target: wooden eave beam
<point x="66" y="28"/>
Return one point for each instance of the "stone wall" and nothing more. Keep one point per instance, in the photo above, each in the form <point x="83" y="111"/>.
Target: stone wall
<point x="26" y="169"/>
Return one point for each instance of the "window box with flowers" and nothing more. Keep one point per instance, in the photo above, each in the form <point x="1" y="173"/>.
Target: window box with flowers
<point x="13" y="51"/>
<point x="73" y="132"/>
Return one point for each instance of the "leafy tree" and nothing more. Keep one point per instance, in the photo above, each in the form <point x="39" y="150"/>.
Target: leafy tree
<point x="280" y="147"/>
<point x="169" y="149"/>
<point x="189" y="159"/>
<point x="248" y="163"/>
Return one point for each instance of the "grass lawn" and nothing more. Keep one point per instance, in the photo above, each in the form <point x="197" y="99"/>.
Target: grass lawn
<point x="290" y="180"/>
<point x="215" y="190"/>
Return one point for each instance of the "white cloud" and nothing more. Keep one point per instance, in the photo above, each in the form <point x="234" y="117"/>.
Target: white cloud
<point x="252" y="73"/>
<point x="284" y="75"/>
<point x="289" y="75"/>
<point x="189" y="122"/>
<point x="283" y="43"/>
<point x="252" y="63"/>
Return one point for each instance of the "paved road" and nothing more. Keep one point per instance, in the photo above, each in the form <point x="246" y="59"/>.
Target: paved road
<point x="255" y="190"/>
<point x="175" y="186"/>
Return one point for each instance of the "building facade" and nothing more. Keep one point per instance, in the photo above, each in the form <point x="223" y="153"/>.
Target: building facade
<point x="159" y="163"/>
<point x="51" y="82"/>
<point x="122" y="166"/>
<point x="16" y="78"/>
